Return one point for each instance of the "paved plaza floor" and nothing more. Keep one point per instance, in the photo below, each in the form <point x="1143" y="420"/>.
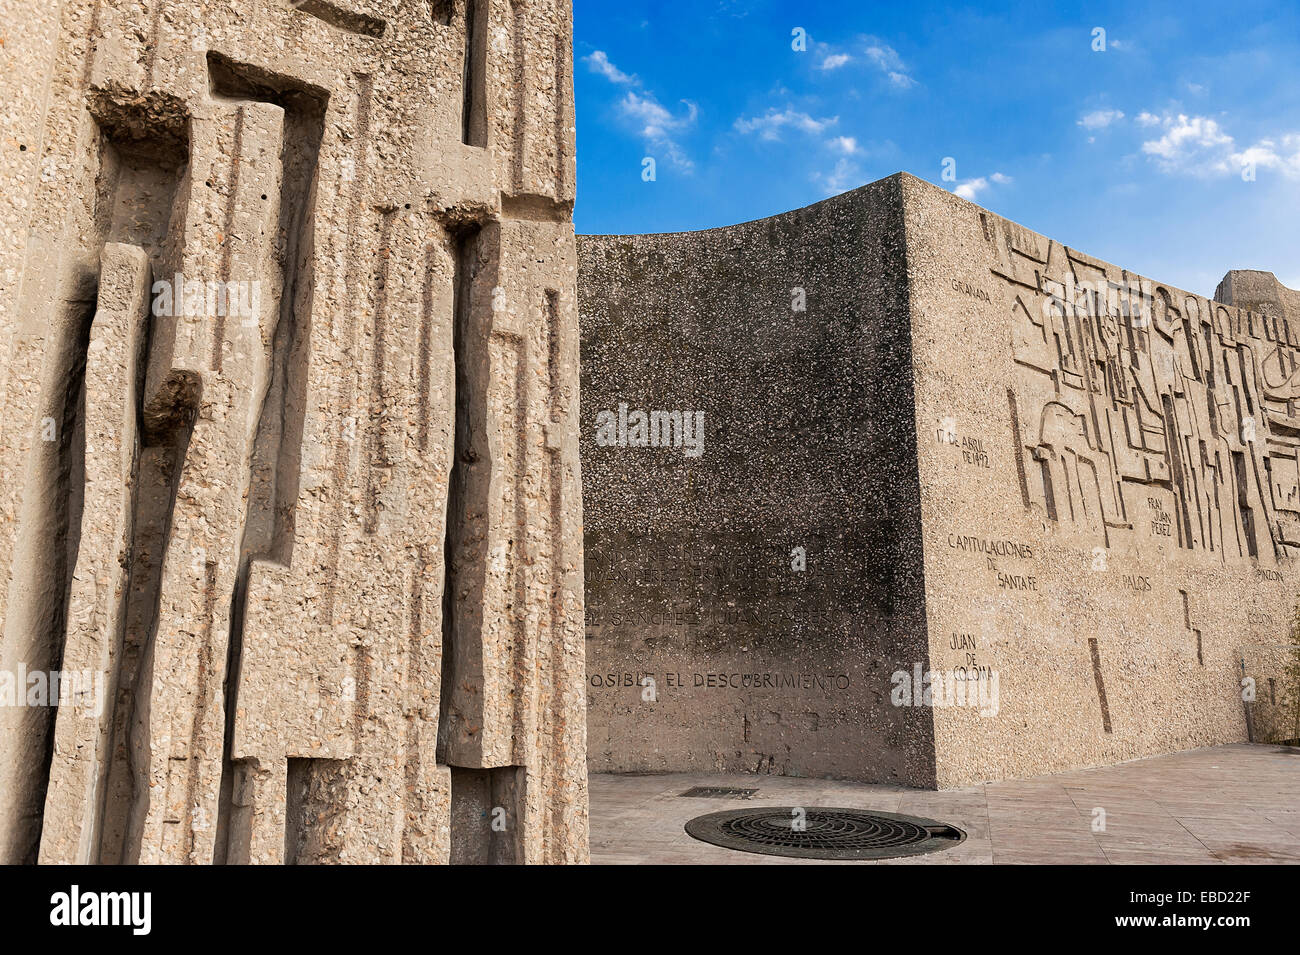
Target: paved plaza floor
<point x="1223" y="804"/>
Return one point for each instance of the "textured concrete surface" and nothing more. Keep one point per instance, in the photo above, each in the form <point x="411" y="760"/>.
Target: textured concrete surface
<point x="942" y="456"/>
<point x="769" y="585"/>
<point x="1109" y="495"/>
<point x="1234" y="804"/>
<point x="288" y="352"/>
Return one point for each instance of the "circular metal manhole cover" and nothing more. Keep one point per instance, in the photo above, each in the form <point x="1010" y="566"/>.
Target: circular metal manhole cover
<point x="814" y="833"/>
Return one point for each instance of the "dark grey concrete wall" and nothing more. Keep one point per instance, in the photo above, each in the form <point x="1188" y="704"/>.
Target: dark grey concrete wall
<point x="809" y="442"/>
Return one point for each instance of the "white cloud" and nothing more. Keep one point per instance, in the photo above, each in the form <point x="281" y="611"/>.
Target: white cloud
<point x="770" y="125"/>
<point x="874" y="51"/>
<point x="600" y="63"/>
<point x="1184" y="136"/>
<point x="887" y="60"/>
<point x="658" y="126"/>
<point x="1282" y="156"/>
<point x="883" y="55"/>
<point x="1199" y="146"/>
<point x="845" y="176"/>
<point x="1100" y="118"/>
<point x="973" y="187"/>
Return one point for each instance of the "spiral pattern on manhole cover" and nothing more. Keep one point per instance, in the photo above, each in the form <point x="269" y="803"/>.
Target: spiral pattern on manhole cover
<point x="814" y="833"/>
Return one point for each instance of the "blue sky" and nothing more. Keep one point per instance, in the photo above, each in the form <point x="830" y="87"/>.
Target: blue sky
<point x="1134" y="153"/>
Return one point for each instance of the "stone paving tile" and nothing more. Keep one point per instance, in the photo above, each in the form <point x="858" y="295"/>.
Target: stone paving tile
<point x="1237" y="804"/>
<point x="1249" y="853"/>
<point x="1045" y="818"/>
<point x="1286" y="821"/>
<point x="1164" y="855"/>
<point x="1032" y="856"/>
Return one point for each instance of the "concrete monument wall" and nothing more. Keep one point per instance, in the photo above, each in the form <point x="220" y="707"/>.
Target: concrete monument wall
<point x="1048" y="507"/>
<point x="289" y="488"/>
<point x="1135" y="447"/>
<point x="760" y="574"/>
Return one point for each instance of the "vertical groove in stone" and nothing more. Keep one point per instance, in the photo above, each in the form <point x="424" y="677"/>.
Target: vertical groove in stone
<point x="552" y="654"/>
<point x="376" y="460"/>
<point x="519" y="93"/>
<point x="474" y="80"/>
<point x="464" y="522"/>
<point x="1100" y="682"/>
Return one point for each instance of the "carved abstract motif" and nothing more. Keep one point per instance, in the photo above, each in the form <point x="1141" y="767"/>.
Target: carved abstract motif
<point x="308" y="344"/>
<point x="1146" y="413"/>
